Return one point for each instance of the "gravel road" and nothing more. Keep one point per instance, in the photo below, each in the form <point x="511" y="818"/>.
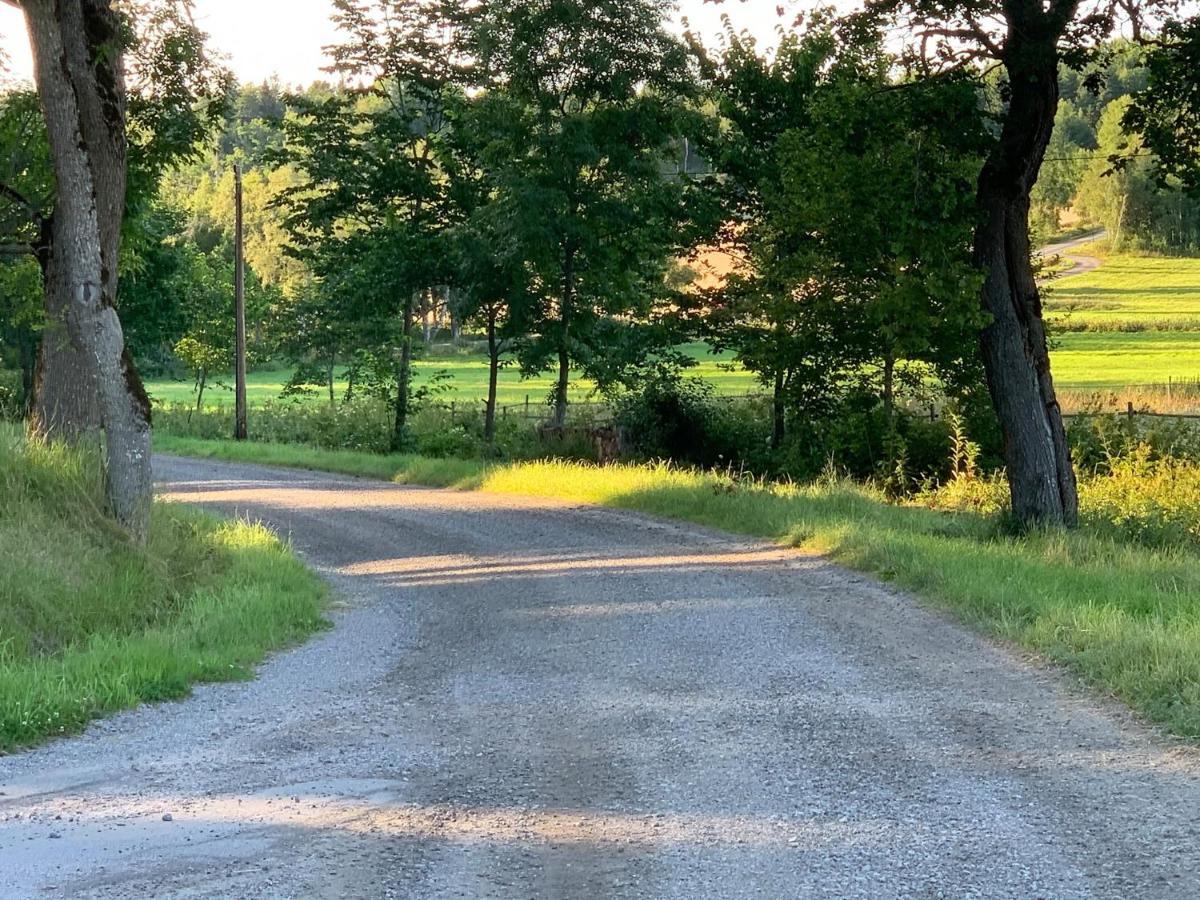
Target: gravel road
<point x="522" y="698"/>
<point x="1081" y="264"/>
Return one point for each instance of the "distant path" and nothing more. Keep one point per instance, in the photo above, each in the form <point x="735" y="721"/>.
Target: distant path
<point x="523" y="699"/>
<point x="1080" y="263"/>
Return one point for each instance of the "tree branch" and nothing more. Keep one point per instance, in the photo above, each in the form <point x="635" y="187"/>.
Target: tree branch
<point x="19" y="199"/>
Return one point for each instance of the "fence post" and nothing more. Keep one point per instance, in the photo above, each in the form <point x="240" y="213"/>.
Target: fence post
<point x="526" y="406"/>
<point x="1129" y="410"/>
<point x="451" y="412"/>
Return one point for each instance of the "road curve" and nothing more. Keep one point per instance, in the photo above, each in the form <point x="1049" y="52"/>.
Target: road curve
<point x="1081" y="263"/>
<point x="522" y="698"/>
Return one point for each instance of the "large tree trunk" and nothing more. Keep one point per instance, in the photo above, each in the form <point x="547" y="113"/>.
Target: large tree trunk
<point x="77" y="53"/>
<point x="1015" y="351"/>
<point x="65" y="401"/>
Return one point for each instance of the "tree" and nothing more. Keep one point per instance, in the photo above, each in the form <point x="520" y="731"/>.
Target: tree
<point x="589" y="103"/>
<point x="853" y="220"/>
<point x="1028" y="39"/>
<point x="78" y="55"/>
<point x="1167" y="111"/>
<point x="369" y="216"/>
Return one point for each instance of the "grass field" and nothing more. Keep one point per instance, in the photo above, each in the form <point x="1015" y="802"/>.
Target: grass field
<point x="468" y="383"/>
<point x="1130" y="292"/>
<point x="1133" y="322"/>
<point x="1123" y="615"/>
<point x="90" y="624"/>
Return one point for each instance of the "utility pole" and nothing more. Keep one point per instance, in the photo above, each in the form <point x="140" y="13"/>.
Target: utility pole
<point x="239" y="278"/>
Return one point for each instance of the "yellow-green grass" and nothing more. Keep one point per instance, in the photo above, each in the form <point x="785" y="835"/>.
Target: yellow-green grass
<point x="1129" y="293"/>
<point x="1122" y="615"/>
<point x="1103" y="361"/>
<point x="91" y="624"/>
<point x="468" y="375"/>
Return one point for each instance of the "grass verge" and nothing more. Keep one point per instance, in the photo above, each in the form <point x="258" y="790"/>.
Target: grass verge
<point x="91" y="624"/>
<point x="1124" y="616"/>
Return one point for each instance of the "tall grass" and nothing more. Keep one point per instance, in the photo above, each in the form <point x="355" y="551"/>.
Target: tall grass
<point x="90" y="623"/>
<point x="1116" y="602"/>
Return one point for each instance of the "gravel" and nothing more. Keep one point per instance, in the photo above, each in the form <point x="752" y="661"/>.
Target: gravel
<point x="523" y="698"/>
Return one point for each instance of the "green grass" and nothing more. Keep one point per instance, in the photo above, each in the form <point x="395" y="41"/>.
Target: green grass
<point x="1095" y="361"/>
<point x="1124" y="616"/>
<point x="468" y="381"/>
<point x="1128" y="292"/>
<point x="91" y="624"/>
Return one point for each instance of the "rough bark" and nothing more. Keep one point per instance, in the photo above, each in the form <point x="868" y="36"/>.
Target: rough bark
<point x="78" y="62"/>
<point x="404" y="377"/>
<point x="489" y="418"/>
<point x="563" y="382"/>
<point x="1015" y="351"/>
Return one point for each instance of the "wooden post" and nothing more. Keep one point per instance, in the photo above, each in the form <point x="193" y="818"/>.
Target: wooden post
<point x="239" y="291"/>
<point x="527" y="406"/>
<point x="1129" y="410"/>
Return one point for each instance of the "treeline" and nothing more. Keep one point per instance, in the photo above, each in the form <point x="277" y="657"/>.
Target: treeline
<point x="1098" y="169"/>
<point x="584" y="190"/>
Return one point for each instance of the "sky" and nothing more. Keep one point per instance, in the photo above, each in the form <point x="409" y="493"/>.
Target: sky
<point x="261" y="38"/>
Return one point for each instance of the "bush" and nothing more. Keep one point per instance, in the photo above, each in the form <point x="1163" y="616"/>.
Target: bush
<point x="10" y="396"/>
<point x="678" y="419"/>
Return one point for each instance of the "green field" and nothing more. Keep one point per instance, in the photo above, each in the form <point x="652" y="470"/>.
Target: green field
<point x="1141" y="315"/>
<point x="1130" y="292"/>
<point x="467" y="384"/>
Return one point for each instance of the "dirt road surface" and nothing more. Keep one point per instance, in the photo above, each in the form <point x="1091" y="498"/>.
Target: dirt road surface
<point x="1081" y="263"/>
<point x="522" y="698"/>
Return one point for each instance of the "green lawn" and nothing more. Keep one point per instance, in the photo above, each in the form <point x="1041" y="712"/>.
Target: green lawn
<point x="1095" y="361"/>
<point x="1122" y="615"/>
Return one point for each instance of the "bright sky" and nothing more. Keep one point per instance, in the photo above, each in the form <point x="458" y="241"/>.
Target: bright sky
<point x="261" y="38"/>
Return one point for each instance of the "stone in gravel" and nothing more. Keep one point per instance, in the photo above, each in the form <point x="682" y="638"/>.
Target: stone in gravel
<point x="167" y="817"/>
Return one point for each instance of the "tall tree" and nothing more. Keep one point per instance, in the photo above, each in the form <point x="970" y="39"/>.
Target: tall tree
<point x="370" y="214"/>
<point x="78" y="53"/>
<point x="1167" y="110"/>
<point x="586" y="159"/>
<point x="1029" y="40"/>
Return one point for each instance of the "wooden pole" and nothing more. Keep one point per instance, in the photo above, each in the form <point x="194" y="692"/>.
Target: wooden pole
<point x="239" y="277"/>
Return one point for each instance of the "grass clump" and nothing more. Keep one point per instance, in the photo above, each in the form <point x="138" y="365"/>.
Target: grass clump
<point x="90" y="623"/>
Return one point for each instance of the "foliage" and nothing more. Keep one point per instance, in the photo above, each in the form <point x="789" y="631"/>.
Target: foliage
<point x="1167" y="110"/>
<point x="583" y="117"/>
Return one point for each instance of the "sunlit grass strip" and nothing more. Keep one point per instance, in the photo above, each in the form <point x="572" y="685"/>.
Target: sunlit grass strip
<point x="1122" y="615"/>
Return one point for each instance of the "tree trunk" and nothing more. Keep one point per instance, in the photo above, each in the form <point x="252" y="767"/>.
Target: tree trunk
<point x="489" y="417"/>
<point x="76" y="48"/>
<point x="778" y="419"/>
<point x="28" y="363"/>
<point x="564" y="357"/>
<point x="889" y="388"/>
<point x="1015" y="352"/>
<point x="329" y="376"/>
<point x="403" y="378"/>
<point x="201" y="383"/>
